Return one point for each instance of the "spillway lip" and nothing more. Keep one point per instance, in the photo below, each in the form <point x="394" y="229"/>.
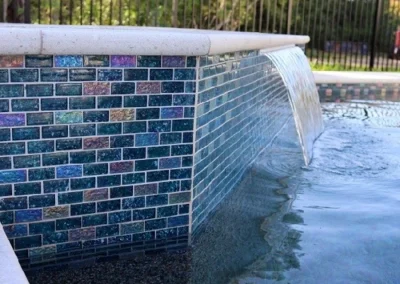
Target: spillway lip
<point x="105" y="40"/>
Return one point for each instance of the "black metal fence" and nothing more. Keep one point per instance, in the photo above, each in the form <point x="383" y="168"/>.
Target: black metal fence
<point x="345" y="34"/>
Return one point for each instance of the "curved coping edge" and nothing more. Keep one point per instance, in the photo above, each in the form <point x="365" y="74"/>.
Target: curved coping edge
<point x="105" y="40"/>
<point x="10" y="269"/>
<point x="353" y="77"/>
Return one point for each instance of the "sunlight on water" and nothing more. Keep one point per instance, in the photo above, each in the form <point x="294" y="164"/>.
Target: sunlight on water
<point x="295" y="71"/>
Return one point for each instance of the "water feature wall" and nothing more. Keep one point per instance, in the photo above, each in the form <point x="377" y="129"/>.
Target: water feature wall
<point x="132" y="140"/>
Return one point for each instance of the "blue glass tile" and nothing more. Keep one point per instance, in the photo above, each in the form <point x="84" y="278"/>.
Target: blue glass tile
<point x="106" y="231"/>
<point x="13" y="203"/>
<point x="82" y="157"/>
<point x="25" y="105"/>
<point x="166" y="234"/>
<point x="184" y="209"/>
<point x="41" y="174"/>
<point x="134" y="153"/>
<point x="54" y="104"/>
<point x="40" y="146"/>
<point x="187" y="137"/>
<point x="169" y="186"/>
<point x="68" y="61"/>
<point x="82" y="130"/>
<point x="12" y="148"/>
<point x="39" y="118"/>
<point x="5" y="163"/>
<point x="95" y="116"/>
<point x="39" y="61"/>
<point x="94" y="220"/>
<point x="27" y="133"/>
<point x="135" y="127"/>
<point x="3" y="76"/>
<point x="59" y="185"/>
<point x="5" y="189"/>
<point x="12" y="176"/>
<point x="27" y="188"/>
<point x="53" y="75"/>
<point x="161" y="74"/>
<point x="82" y="103"/>
<point x="18" y="230"/>
<point x="147" y="113"/>
<point x="191" y="61"/>
<point x="178" y="221"/>
<point x="83" y="183"/>
<point x="70" y="197"/>
<point x="157" y="152"/>
<point x="110" y="205"/>
<point x="167" y="211"/>
<point x="172" y="112"/>
<point x="11" y="91"/>
<point x="179" y="150"/>
<point x="24" y="75"/>
<point x="133" y="203"/>
<point x="132" y="228"/>
<point x="105" y="181"/>
<point x="69" y="171"/>
<point x="157" y="176"/>
<point x="83" y="209"/>
<point x="68" y="223"/>
<point x="160" y="100"/>
<point x="172" y="87"/>
<point x="109" y="102"/>
<point x="109" y="74"/>
<point x="121" y="191"/>
<point x="109" y="155"/>
<point x="185" y="74"/>
<point x="29" y="215"/>
<point x="121" y="141"/>
<point x="82" y="74"/>
<point x="145" y="165"/>
<point x="56" y="131"/>
<point x="182" y="125"/>
<point x="119" y="217"/>
<point x="7" y="218"/>
<point x="28" y="242"/>
<point x="95" y="169"/>
<point x="5" y="135"/>
<point x="156" y="200"/>
<point x="147" y="139"/>
<point x="143" y="214"/>
<point x="42" y="228"/>
<point x="133" y="178"/>
<point x="69" y="247"/>
<point x="68" y="144"/>
<point x="181" y="174"/>
<point x="170" y="138"/>
<point x="4" y="106"/>
<point x="135" y="101"/>
<point x="183" y="100"/>
<point x="155" y="224"/>
<point x="68" y="117"/>
<point x="39" y="90"/>
<point x="43" y="200"/>
<point x="55" y="159"/>
<point x="54" y="238"/>
<point x="123" y="88"/>
<point x="136" y="74"/>
<point x="69" y="89"/>
<point x="159" y="126"/>
<point x="149" y="61"/>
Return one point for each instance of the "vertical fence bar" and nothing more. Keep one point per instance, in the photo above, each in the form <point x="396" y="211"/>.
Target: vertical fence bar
<point x="260" y="20"/>
<point x="320" y="26"/>
<point x="389" y="36"/>
<point x="27" y="12"/>
<point x="268" y="15"/>
<point x="281" y="20"/>
<point x="295" y="17"/>
<point x="61" y="13"/>
<point x="289" y="16"/>
<point x="328" y="15"/>
<point x="246" y="12"/>
<point x="70" y="9"/>
<point x="50" y="14"/>
<point x="375" y="29"/>
<point x="254" y="16"/>
<point x="351" y="38"/>
<point x="2" y="13"/>
<point x="359" y="37"/>
<point x="313" y="41"/>
<point x="308" y="29"/>
<point x="175" y="13"/>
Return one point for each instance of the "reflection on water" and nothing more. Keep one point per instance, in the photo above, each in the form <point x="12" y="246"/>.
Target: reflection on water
<point x="333" y="222"/>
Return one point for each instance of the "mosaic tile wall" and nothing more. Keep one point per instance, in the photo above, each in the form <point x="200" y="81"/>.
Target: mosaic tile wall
<point x="95" y="150"/>
<point x="242" y="104"/>
<point x="346" y="92"/>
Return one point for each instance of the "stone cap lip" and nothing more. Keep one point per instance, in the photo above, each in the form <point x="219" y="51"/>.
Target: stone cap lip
<point x="105" y="40"/>
<point x="353" y="77"/>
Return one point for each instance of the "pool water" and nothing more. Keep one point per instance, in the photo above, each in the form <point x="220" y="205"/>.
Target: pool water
<point x="336" y="221"/>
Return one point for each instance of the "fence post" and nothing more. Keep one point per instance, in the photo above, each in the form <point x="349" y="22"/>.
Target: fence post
<point x="378" y="8"/>
<point x="289" y="16"/>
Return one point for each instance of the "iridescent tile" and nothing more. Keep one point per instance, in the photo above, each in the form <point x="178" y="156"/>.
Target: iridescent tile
<point x="121" y="167"/>
<point x="96" y="88"/>
<point x="96" y="143"/>
<point x="148" y="87"/>
<point x="12" y="119"/>
<point x="55" y="212"/>
<point x="123" y="61"/>
<point x="173" y="61"/>
<point x="95" y="194"/>
<point x="172" y="112"/>
<point x="82" y="234"/>
<point x="68" y="60"/>
<point x="122" y="114"/>
<point x="9" y="61"/>
<point x="68" y="117"/>
<point x="47" y="250"/>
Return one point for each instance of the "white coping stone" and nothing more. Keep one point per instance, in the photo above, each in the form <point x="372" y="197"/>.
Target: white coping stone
<point x="105" y="40"/>
<point x="349" y="77"/>
<point x="10" y="269"/>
